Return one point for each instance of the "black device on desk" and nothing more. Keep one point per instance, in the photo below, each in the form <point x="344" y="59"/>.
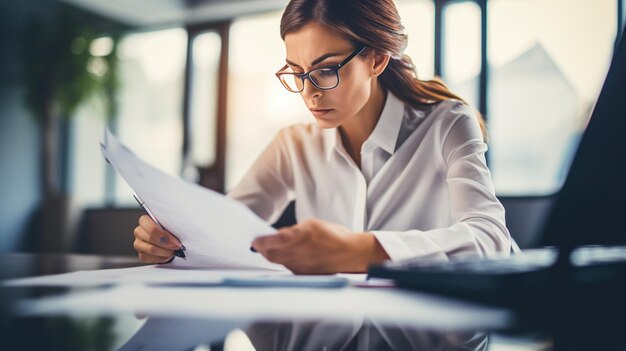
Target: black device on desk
<point x="589" y="210"/>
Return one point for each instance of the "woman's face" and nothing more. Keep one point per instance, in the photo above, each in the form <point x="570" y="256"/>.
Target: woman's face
<point x="317" y="46"/>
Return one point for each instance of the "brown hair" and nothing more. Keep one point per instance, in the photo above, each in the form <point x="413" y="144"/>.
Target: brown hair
<point x="376" y="25"/>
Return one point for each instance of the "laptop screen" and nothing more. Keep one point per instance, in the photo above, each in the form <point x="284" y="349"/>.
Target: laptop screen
<point x="591" y="206"/>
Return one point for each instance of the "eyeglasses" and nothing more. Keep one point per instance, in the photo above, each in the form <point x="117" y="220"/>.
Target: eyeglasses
<point x="325" y="78"/>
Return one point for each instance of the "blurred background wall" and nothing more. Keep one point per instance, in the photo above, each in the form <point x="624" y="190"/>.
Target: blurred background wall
<point x="19" y="135"/>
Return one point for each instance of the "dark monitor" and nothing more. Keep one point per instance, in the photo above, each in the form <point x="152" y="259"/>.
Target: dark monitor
<point x="591" y="207"/>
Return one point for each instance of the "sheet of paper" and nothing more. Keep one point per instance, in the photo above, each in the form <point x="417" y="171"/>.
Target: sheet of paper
<point x="217" y="231"/>
<point x="154" y="275"/>
<point x="151" y="275"/>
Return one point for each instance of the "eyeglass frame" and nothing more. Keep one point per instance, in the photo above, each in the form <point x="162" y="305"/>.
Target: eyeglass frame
<point x="307" y="75"/>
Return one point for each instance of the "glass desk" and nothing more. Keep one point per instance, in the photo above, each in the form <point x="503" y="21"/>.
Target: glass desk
<point x="211" y="326"/>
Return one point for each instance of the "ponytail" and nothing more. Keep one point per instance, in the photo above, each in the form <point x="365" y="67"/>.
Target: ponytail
<point x="400" y="78"/>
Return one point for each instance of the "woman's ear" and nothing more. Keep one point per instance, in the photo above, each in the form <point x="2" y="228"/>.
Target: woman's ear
<point x="380" y="63"/>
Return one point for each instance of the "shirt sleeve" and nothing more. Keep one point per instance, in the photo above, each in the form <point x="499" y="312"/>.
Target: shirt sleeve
<point x="478" y="224"/>
<point x="267" y="186"/>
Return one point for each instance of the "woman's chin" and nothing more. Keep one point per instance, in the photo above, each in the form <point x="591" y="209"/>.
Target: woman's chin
<point x="327" y="120"/>
<point x="326" y="124"/>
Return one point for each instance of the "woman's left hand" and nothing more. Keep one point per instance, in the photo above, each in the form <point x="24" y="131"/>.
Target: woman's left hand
<point x="319" y="247"/>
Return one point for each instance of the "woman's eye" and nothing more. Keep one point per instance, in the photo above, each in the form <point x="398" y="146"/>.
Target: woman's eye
<point x="326" y="72"/>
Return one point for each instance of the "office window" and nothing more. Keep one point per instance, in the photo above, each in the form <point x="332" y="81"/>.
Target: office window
<point x="258" y="105"/>
<point x="87" y="168"/>
<point x="548" y="60"/>
<point x="418" y="18"/>
<point x="461" y="50"/>
<point x="206" y="49"/>
<point x="150" y="116"/>
<point x="151" y="67"/>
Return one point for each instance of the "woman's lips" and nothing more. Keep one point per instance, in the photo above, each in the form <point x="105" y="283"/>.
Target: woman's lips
<point x="320" y="112"/>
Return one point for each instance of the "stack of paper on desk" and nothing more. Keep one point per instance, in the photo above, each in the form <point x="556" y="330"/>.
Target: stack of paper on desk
<point x="148" y="275"/>
<point x="168" y="275"/>
<point x="217" y="231"/>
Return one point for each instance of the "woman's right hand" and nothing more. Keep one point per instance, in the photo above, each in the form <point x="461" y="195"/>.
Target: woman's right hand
<point x="153" y="244"/>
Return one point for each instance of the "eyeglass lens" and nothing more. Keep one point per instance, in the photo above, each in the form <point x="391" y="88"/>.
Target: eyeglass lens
<point x="323" y="78"/>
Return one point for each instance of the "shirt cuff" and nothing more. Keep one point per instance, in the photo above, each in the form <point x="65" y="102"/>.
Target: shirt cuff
<point x="398" y="249"/>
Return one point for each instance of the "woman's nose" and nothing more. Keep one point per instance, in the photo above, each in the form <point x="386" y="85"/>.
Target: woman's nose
<point x="310" y="90"/>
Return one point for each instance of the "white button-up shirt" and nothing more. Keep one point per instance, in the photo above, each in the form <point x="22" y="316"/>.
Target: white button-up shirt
<point x="423" y="187"/>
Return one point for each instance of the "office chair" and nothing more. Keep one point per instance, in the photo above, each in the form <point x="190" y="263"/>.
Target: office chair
<point x="107" y="231"/>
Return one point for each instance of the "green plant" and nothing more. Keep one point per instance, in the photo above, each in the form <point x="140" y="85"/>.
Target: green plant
<point x="57" y="62"/>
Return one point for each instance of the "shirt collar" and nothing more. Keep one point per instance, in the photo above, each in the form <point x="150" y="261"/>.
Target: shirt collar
<point x="384" y="135"/>
<point x="331" y="140"/>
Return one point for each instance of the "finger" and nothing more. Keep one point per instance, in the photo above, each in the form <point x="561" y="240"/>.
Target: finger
<point x="281" y="256"/>
<point x="161" y="239"/>
<point x="146" y="258"/>
<point x="148" y="224"/>
<point x="281" y="239"/>
<point x="151" y="227"/>
<point x="153" y="250"/>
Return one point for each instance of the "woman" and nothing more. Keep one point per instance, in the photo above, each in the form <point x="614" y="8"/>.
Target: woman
<point x="393" y="167"/>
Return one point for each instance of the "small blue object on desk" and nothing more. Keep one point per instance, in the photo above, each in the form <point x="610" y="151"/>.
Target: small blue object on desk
<point x="288" y="281"/>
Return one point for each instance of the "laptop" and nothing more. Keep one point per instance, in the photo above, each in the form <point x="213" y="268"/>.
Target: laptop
<point x="581" y="236"/>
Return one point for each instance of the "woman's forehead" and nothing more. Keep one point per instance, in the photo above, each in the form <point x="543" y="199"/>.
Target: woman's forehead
<point x="315" y="39"/>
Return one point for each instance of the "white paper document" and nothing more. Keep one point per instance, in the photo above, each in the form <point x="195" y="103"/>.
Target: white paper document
<point x="148" y="275"/>
<point x="216" y="231"/>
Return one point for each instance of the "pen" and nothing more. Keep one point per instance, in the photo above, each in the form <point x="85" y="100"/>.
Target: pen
<point x="178" y="253"/>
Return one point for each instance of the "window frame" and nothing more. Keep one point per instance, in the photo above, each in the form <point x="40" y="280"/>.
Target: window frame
<point x="210" y="176"/>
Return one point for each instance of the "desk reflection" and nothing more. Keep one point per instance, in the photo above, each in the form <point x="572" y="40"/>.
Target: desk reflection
<point x="113" y="329"/>
<point x="160" y="333"/>
<point x="360" y="335"/>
